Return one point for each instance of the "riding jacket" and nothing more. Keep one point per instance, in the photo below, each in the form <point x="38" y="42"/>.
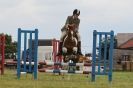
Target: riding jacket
<point x="71" y="20"/>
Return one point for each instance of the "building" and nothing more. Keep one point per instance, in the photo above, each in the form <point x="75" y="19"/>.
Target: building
<point x="124" y="51"/>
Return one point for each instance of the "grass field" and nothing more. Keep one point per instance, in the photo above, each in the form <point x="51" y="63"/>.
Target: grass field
<point x="120" y="80"/>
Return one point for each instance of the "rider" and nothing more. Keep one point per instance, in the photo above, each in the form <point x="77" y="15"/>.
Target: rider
<point x="71" y="20"/>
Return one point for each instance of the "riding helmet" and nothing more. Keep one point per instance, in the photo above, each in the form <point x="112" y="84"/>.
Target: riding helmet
<point x="76" y="11"/>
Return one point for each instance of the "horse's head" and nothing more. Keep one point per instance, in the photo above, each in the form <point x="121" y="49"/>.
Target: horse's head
<point x="71" y="27"/>
<point x="70" y="31"/>
<point x="70" y="41"/>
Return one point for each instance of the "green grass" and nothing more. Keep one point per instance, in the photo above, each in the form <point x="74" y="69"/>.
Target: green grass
<point x="120" y="80"/>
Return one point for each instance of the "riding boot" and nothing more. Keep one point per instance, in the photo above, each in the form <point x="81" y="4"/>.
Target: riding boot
<point x="60" y="49"/>
<point x="79" y="48"/>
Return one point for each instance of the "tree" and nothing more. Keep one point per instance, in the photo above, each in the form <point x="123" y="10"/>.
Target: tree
<point x="10" y="47"/>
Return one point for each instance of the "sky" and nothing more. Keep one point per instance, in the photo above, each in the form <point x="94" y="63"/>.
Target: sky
<point x="48" y="16"/>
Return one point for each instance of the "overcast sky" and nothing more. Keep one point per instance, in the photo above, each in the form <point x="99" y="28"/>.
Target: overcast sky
<point x="50" y="15"/>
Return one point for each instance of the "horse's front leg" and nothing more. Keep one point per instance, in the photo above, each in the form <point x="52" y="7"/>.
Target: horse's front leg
<point x="75" y="49"/>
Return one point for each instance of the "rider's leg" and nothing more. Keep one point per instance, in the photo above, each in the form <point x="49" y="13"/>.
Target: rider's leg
<point x="61" y="42"/>
<point x="79" y="44"/>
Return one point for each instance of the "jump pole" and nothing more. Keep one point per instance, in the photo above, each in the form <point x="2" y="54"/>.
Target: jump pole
<point x="22" y="65"/>
<point x="107" y="60"/>
<point x="2" y="53"/>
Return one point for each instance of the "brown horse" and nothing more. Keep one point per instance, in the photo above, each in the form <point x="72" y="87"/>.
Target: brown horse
<point x="70" y="45"/>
